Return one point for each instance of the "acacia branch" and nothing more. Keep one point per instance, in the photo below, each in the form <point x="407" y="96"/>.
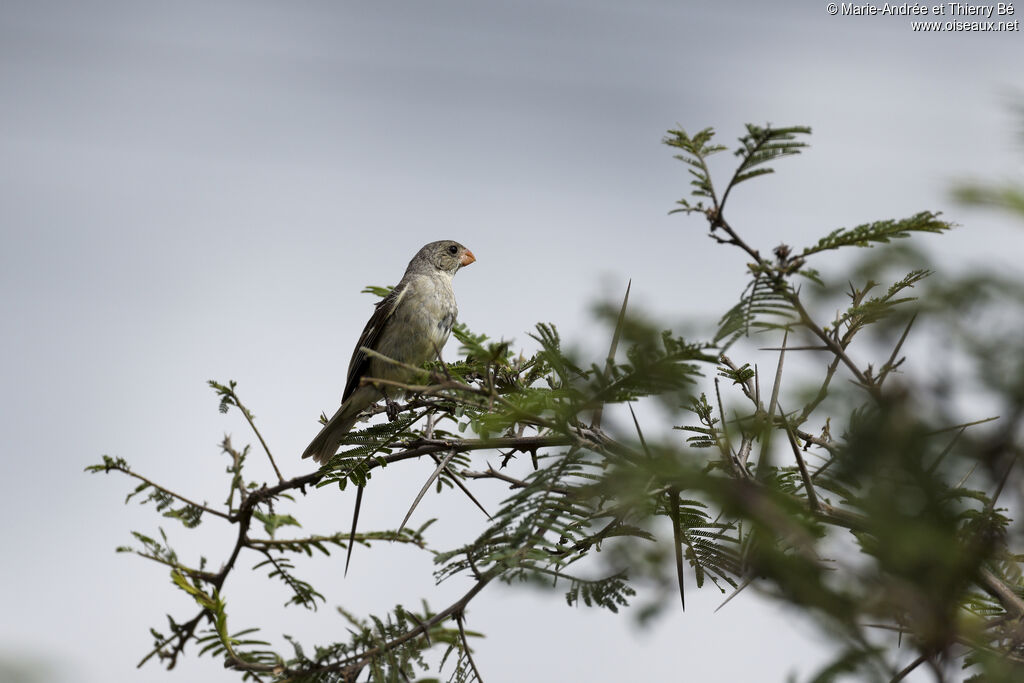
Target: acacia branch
<point x="831" y="343"/>
<point x="337" y="539"/>
<point x="718" y="222"/>
<point x="158" y="487"/>
<point x="351" y="666"/>
<point x="244" y="514"/>
<point x="256" y="431"/>
<point x="812" y="497"/>
<point x="998" y="589"/>
<point x="195" y="573"/>
<point x="465" y="645"/>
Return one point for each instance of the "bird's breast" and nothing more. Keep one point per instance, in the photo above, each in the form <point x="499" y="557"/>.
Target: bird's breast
<point x="419" y="328"/>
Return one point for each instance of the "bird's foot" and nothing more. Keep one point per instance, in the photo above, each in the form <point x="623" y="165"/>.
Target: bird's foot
<point x="390" y="409"/>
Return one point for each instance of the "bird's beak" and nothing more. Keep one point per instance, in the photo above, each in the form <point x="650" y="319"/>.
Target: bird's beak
<point x="467" y="258"/>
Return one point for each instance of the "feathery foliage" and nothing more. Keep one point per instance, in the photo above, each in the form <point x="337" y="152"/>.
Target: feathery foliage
<point x="865" y="492"/>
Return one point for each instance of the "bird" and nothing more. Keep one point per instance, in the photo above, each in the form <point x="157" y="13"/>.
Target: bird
<point x="410" y="325"/>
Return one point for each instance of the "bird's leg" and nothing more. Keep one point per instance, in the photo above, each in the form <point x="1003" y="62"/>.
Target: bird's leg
<point x="390" y="407"/>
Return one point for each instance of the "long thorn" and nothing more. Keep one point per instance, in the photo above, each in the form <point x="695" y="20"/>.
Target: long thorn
<point x="677" y="537"/>
<point x="746" y="582"/>
<point x="890" y="364"/>
<point x="458" y="482"/>
<point x="999" y="489"/>
<point x="962" y="424"/>
<point x="763" y="461"/>
<point x="430" y="480"/>
<point x="757" y="387"/>
<point x="419" y="622"/>
<point x="967" y="476"/>
<point x="352" y="534"/>
<point x="643" y="441"/>
<point x="596" y="422"/>
<point x="945" y="452"/>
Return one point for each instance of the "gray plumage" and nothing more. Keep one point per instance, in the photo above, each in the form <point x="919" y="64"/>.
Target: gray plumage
<point x="410" y="325"/>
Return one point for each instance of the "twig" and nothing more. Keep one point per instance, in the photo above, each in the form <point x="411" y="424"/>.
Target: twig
<point x="1006" y="596"/>
<point x="836" y="348"/>
<point x="812" y="497"/>
<point x="337" y="539"/>
<point x="906" y="671"/>
<point x="183" y="635"/>
<point x="492" y="473"/>
<point x="749" y="389"/>
<point x="717" y="221"/>
<point x="817" y="441"/>
<point x="248" y="418"/>
<point x="746" y="446"/>
<point x="195" y="573"/>
<point x="822" y="391"/>
<point x="465" y="645"/>
<point x="729" y="454"/>
<point x="432" y="389"/>
<point x="169" y="492"/>
<point x="236" y="470"/>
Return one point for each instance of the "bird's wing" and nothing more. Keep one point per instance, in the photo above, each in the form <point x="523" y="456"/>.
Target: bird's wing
<point x="370" y="338"/>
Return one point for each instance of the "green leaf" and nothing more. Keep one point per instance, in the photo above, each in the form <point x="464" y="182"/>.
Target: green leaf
<point x="880" y="232"/>
<point x="272" y="522"/>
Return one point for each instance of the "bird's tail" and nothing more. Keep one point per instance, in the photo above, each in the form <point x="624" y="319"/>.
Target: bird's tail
<point x="326" y="443"/>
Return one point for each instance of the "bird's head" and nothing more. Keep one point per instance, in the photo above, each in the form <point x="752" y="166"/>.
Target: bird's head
<point x="446" y="255"/>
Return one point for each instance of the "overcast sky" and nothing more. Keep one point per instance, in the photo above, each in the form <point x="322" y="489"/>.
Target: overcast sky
<point x="197" y="190"/>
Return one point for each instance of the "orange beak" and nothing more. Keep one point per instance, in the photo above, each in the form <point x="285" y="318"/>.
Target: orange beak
<point x="467" y="258"/>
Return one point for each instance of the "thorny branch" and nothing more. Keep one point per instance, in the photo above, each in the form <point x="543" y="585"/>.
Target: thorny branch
<point x="754" y="498"/>
<point x="250" y="500"/>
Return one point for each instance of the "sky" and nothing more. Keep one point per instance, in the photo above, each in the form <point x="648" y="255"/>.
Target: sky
<point x="197" y="190"/>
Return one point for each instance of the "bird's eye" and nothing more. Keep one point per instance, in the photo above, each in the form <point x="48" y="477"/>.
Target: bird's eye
<point x="453" y="250"/>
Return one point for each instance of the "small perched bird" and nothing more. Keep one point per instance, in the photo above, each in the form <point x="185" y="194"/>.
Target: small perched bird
<point x="409" y="325"/>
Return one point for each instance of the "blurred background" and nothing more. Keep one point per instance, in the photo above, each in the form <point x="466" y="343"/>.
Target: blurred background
<point x="196" y="190"/>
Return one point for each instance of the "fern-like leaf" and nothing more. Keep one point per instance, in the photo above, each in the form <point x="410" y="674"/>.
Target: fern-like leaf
<point x="879" y="232"/>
